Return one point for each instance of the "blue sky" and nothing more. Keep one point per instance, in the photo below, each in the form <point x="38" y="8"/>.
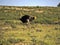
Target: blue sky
<point x="29" y="2"/>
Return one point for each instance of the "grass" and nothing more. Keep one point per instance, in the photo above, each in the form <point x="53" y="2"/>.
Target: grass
<point x="45" y="30"/>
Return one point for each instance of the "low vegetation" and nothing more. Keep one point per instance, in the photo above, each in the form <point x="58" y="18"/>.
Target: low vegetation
<point x="45" y="30"/>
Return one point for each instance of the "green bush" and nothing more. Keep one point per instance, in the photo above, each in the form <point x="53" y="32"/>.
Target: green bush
<point x="13" y="40"/>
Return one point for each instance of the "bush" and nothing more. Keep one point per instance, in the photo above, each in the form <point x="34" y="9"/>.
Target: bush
<point x="58" y="5"/>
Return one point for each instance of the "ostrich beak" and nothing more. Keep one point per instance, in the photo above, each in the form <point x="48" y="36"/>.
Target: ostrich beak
<point x="35" y="17"/>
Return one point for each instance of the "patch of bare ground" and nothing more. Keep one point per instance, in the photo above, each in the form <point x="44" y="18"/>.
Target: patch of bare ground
<point x="37" y="11"/>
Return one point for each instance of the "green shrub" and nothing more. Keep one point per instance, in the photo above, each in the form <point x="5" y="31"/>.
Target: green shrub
<point x="12" y="40"/>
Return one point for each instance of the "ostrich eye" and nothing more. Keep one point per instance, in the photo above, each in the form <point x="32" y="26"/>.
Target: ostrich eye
<point x="33" y="17"/>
